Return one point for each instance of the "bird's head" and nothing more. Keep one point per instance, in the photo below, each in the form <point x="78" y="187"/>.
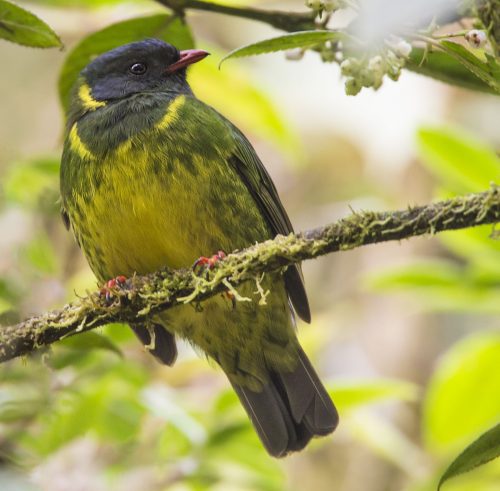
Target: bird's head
<point x="144" y="66"/>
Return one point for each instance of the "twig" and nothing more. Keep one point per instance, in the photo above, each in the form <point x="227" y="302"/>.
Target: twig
<point x="286" y="21"/>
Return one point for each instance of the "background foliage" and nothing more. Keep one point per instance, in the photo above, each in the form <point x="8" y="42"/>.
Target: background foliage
<point x="407" y="335"/>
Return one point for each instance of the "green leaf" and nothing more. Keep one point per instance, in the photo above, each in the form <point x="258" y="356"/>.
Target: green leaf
<point x="105" y="405"/>
<point x="420" y="273"/>
<point x="162" y="26"/>
<point x="221" y="436"/>
<point x="8" y="291"/>
<point x="19" y="401"/>
<point x="89" y="341"/>
<point x="302" y="39"/>
<point x="27" y="182"/>
<point x="40" y="254"/>
<point x="479" y="452"/>
<point x="445" y="286"/>
<point x="443" y="67"/>
<point x="460" y="161"/>
<point x="233" y="93"/>
<point x="163" y="403"/>
<point x="385" y="440"/>
<point x="479" y="246"/>
<point x="23" y="27"/>
<point x="463" y="397"/>
<point x="488" y="71"/>
<point x="79" y="3"/>
<point x="350" y="395"/>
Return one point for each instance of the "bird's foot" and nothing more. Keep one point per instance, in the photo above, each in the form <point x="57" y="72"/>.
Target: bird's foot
<point x="227" y="295"/>
<point x="107" y="290"/>
<point x="209" y="262"/>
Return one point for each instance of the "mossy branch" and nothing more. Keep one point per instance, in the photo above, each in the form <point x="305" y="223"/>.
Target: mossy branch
<point x="146" y="295"/>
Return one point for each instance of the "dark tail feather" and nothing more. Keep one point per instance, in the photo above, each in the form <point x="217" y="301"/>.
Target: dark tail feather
<point x="163" y="347"/>
<point x="291" y="409"/>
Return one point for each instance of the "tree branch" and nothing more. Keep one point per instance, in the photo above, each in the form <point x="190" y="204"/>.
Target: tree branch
<point x="286" y="21"/>
<point x="146" y="295"/>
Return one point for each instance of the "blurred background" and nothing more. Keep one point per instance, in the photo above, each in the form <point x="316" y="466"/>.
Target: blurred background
<point x="406" y="335"/>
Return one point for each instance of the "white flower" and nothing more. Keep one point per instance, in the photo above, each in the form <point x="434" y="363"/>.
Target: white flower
<point x="476" y="38"/>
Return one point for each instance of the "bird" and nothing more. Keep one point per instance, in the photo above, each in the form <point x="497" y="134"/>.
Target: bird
<point x="152" y="177"/>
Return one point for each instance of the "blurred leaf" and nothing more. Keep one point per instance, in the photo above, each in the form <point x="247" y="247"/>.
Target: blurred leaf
<point x="233" y="444"/>
<point x="105" y="405"/>
<point x="119" y="333"/>
<point x="19" y="402"/>
<point x="488" y="71"/>
<point x="242" y="456"/>
<point x="442" y="66"/>
<point x="419" y="273"/>
<point x="385" y="440"/>
<point x="460" y="298"/>
<point x="79" y="3"/>
<point x="23" y="27"/>
<point x="223" y="435"/>
<point x="226" y="402"/>
<point x="26" y="182"/>
<point x="8" y="295"/>
<point x="172" y="441"/>
<point x="5" y="306"/>
<point x="463" y="397"/>
<point x="232" y="92"/>
<point x="40" y="254"/>
<point x="481" y="451"/>
<point x="479" y="246"/>
<point x="303" y="39"/>
<point x="350" y="395"/>
<point x="88" y="341"/>
<point x="461" y="162"/>
<point x="162" y="26"/>
<point x="162" y="403"/>
<point x="442" y="285"/>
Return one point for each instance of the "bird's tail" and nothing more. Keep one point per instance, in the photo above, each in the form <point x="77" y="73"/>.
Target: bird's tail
<point x="158" y="341"/>
<point x="290" y="409"/>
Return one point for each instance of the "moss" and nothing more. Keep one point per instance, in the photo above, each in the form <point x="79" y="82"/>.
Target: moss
<point x="144" y="296"/>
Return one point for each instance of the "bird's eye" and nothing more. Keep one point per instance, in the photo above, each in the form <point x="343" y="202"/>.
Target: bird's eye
<point x="138" y="68"/>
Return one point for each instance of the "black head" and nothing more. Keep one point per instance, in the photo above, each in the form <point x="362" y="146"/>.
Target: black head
<point x="143" y="66"/>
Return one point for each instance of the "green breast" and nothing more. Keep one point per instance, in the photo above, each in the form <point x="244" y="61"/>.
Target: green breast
<point x="162" y="194"/>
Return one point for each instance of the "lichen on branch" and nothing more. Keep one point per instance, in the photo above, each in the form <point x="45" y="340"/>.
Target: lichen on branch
<point x="143" y="296"/>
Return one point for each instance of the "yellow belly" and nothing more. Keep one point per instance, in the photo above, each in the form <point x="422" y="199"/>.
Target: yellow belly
<point x="144" y="216"/>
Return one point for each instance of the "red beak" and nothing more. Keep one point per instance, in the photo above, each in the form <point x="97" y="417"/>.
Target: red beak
<point x="188" y="57"/>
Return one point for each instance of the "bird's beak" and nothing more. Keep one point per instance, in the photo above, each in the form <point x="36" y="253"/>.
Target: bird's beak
<point x="188" y="57"/>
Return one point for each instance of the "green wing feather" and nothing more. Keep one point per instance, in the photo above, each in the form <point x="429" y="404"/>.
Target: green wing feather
<point x="253" y="173"/>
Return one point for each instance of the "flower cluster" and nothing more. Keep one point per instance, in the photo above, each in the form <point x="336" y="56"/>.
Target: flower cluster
<point x="328" y="6"/>
<point x="370" y="71"/>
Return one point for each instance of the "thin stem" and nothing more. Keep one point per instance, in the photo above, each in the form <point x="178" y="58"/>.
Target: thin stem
<point x="286" y="21"/>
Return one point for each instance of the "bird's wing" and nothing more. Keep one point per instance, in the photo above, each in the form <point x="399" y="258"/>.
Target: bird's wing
<point x="253" y="173"/>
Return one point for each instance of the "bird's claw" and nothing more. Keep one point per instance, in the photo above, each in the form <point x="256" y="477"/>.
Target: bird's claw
<point x="107" y="290"/>
<point x="209" y="262"/>
<point x="230" y="297"/>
